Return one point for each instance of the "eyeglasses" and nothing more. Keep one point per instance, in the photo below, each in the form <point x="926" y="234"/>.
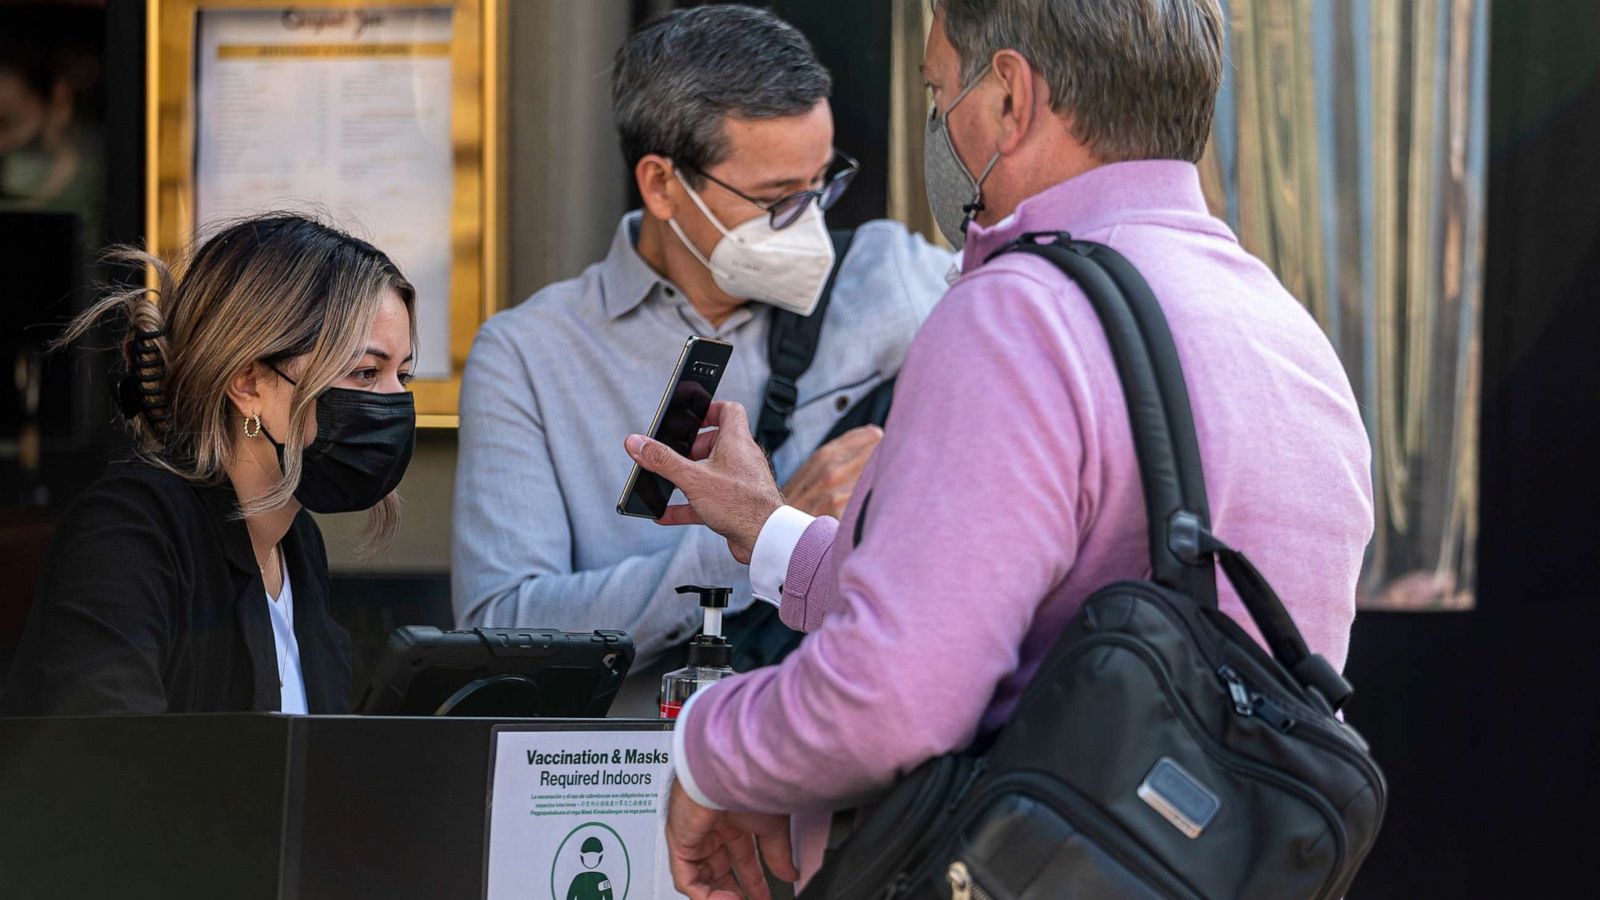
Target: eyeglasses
<point x="786" y="211"/>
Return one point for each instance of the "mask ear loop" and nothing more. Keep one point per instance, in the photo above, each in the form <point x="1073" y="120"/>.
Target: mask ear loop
<point x="977" y="206"/>
<point x="678" y="229"/>
<point x="700" y="204"/>
<point x="276" y="444"/>
<point x="960" y="97"/>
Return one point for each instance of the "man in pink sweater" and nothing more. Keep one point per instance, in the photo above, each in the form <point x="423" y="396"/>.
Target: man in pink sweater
<point x="1006" y="489"/>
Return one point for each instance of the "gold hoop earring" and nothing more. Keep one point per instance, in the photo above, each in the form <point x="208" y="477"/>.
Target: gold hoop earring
<point x="254" y="421"/>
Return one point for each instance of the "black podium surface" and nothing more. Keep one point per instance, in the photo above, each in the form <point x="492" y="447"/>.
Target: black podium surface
<point x="249" y="806"/>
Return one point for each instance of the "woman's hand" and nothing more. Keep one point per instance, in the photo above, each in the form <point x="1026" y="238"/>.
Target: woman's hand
<point x="714" y="854"/>
<point x="727" y="479"/>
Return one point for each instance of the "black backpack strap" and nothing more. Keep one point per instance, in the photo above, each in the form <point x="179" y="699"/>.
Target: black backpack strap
<point x="1182" y="548"/>
<point x="791" y="346"/>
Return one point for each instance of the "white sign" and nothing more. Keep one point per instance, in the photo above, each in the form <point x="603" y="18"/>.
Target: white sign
<point x="343" y="110"/>
<point x="578" y="815"/>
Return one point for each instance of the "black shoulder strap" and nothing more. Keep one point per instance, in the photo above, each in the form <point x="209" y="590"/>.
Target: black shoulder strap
<point x="791" y="346"/>
<point x="1152" y="383"/>
<point x="1182" y="548"/>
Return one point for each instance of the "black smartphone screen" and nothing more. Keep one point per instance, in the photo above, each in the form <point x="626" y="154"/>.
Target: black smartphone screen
<point x="679" y="418"/>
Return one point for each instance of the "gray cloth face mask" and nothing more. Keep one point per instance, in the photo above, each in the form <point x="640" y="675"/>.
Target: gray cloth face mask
<point x="954" y="195"/>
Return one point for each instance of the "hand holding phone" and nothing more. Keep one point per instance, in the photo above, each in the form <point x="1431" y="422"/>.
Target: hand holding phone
<point x="726" y="478"/>
<point x="679" y="417"/>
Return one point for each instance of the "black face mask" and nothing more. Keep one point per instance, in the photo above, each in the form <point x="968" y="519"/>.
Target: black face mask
<point x="363" y="445"/>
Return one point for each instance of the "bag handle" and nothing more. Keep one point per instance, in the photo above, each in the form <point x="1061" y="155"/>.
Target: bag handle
<point x="1182" y="548"/>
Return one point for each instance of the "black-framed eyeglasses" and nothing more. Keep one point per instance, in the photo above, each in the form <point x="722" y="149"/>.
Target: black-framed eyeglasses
<point x="786" y="211"/>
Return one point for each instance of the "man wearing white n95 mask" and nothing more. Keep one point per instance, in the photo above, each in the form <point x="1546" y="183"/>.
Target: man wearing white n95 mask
<point x="724" y="118"/>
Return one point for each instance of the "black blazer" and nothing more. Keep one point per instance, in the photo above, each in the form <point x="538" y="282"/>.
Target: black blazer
<point x="151" y="601"/>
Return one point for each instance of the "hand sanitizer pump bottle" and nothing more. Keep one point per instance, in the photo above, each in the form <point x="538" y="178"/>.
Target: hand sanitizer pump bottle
<point x="710" y="654"/>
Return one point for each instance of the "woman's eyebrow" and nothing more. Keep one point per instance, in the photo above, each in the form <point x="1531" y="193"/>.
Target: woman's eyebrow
<point x="386" y="356"/>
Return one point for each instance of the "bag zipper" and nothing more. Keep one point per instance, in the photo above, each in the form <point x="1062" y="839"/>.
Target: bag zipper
<point x="1340" y="745"/>
<point x="901" y="883"/>
<point x="1225" y="755"/>
<point x="1330" y="739"/>
<point x="1095" y="824"/>
<point x="1337" y="743"/>
<point x="1203" y="641"/>
<point x="962" y="885"/>
<point x="978" y="768"/>
<point x="1251" y="703"/>
<point x="914" y="847"/>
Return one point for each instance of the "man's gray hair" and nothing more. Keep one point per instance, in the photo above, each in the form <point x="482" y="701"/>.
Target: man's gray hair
<point x="1138" y="78"/>
<point x="681" y="75"/>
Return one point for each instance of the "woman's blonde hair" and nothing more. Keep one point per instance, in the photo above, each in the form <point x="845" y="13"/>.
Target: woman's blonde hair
<point x="265" y="289"/>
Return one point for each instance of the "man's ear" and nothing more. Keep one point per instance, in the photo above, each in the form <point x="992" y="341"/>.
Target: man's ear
<point x="658" y="186"/>
<point x="244" y="389"/>
<point x="1015" y="112"/>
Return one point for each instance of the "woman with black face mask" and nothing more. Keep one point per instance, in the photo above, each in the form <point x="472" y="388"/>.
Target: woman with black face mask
<point x="270" y="383"/>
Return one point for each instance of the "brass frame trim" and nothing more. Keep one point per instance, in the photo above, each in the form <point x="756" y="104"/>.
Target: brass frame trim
<point x="477" y="232"/>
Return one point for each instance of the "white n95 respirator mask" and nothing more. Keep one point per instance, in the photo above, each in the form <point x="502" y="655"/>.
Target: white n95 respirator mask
<point x="786" y="268"/>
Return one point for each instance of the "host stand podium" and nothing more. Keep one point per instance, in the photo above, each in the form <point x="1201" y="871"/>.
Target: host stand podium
<point x="253" y="805"/>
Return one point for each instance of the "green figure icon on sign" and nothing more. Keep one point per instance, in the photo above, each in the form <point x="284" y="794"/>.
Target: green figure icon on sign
<point x="591" y="884"/>
<point x="591" y="863"/>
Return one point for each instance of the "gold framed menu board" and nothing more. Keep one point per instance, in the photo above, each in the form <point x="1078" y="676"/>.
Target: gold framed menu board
<point x="379" y="116"/>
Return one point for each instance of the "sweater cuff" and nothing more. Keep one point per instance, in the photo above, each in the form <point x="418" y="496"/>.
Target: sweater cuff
<point x="801" y="610"/>
<point x="769" y="559"/>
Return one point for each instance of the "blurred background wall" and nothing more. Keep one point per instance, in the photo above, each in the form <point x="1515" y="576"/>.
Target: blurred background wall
<point x="1349" y="154"/>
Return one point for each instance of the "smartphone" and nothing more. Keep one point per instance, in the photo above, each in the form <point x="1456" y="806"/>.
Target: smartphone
<point x="679" y="418"/>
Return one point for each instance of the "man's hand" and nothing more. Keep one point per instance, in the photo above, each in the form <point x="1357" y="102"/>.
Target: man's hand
<point x="824" y="483"/>
<point x="714" y="854"/>
<point x="727" y="479"/>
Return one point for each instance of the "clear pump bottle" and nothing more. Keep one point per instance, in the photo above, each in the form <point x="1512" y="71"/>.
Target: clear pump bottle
<point x="710" y="654"/>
